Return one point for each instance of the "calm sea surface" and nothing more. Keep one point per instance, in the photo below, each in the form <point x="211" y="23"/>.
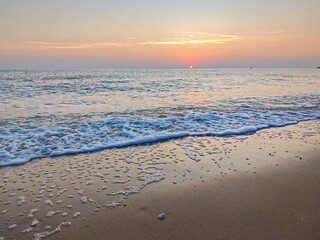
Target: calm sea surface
<point x="48" y="113"/>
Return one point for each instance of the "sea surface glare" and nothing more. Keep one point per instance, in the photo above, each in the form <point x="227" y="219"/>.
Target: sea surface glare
<point x="48" y="113"/>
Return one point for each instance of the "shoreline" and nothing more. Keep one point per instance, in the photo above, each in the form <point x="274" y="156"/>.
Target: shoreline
<point x="254" y="186"/>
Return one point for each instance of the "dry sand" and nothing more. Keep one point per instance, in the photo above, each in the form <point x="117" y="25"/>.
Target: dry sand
<point x="260" y="186"/>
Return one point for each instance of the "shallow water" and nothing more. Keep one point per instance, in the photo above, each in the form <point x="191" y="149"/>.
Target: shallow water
<point x="45" y="113"/>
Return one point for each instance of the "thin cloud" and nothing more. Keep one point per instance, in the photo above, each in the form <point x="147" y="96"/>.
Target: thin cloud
<point x="187" y="42"/>
<point x="209" y="35"/>
<point x="271" y="31"/>
<point x="54" y="45"/>
<point x="276" y="35"/>
<point x="33" y="45"/>
<point x="189" y="39"/>
<point x="195" y="38"/>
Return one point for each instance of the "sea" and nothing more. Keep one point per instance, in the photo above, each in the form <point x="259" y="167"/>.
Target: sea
<point x="52" y="113"/>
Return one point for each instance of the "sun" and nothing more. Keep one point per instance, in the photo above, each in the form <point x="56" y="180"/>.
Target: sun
<point x="190" y="67"/>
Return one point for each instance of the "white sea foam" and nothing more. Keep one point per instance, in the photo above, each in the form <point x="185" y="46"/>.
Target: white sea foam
<point x="77" y="214"/>
<point x="150" y="177"/>
<point x="84" y="200"/>
<point x="113" y="204"/>
<point x="22" y="200"/>
<point x="48" y="202"/>
<point x="51" y="213"/>
<point x="12" y="226"/>
<point x="4" y="211"/>
<point x="76" y="138"/>
<point x="27" y="230"/>
<point x="34" y="223"/>
<point x="129" y="190"/>
<point x="39" y="236"/>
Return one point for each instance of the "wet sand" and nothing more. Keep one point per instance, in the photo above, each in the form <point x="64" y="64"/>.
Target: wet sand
<point x="284" y="205"/>
<point x="260" y="186"/>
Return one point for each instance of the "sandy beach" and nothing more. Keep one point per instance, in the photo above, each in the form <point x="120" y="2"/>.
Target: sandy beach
<point x="259" y="186"/>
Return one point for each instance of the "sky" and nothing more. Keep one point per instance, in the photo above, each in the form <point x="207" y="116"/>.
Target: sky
<point x="83" y="34"/>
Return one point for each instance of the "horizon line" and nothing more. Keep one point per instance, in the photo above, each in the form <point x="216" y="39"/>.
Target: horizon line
<point x="143" y="68"/>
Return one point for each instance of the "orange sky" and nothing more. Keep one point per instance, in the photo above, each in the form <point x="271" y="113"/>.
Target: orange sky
<point x="95" y="34"/>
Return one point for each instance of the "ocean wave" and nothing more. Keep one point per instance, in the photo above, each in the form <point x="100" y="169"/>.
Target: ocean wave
<point x="19" y="145"/>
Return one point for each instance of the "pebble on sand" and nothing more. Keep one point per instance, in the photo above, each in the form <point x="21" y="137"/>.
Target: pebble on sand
<point x="161" y="216"/>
